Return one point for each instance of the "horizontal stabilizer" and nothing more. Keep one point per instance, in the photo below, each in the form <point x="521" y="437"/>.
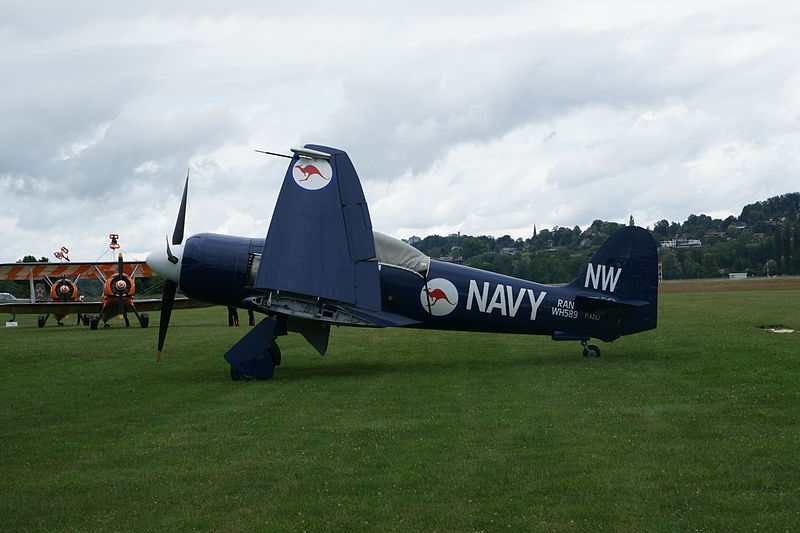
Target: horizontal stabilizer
<point x="569" y="336"/>
<point x="610" y="299"/>
<point x="320" y="241"/>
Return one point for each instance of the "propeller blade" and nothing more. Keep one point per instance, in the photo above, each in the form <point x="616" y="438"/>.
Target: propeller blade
<point x="177" y="235"/>
<point x="167" y="298"/>
<point x="171" y="258"/>
<point x="119" y="265"/>
<point x="120" y="306"/>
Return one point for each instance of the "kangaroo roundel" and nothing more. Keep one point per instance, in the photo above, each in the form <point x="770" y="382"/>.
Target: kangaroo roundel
<point x="312" y="174"/>
<point x="439" y="297"/>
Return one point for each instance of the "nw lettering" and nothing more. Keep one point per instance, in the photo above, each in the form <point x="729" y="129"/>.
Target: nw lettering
<point x="602" y="277"/>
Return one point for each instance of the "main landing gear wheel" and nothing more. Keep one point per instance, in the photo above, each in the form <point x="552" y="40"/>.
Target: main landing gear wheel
<point x="275" y="353"/>
<point x="239" y="376"/>
<point x="144" y="320"/>
<point x="590" y="350"/>
<point x="41" y="320"/>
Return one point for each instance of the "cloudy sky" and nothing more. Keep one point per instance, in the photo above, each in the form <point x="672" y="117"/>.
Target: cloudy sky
<point x="472" y="116"/>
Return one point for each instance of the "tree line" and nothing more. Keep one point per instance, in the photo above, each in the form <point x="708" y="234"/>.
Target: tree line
<point x="763" y="240"/>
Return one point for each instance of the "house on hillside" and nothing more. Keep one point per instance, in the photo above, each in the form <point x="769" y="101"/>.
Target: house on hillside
<point x="681" y="243"/>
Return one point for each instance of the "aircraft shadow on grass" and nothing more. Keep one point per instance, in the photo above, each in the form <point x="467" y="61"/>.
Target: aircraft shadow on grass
<point x="321" y="264"/>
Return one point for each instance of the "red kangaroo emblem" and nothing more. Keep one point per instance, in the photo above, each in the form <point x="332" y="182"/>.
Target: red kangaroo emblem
<point x="310" y="170"/>
<point x="435" y="295"/>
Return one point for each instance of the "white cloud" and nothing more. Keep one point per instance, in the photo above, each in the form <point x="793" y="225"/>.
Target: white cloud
<point x="457" y="117"/>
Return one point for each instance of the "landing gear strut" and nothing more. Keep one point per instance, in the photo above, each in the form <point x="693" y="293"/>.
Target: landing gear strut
<point x="590" y="350"/>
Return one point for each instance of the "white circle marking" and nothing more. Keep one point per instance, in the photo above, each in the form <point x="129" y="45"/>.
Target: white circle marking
<point x="439" y="297"/>
<point x="312" y="174"/>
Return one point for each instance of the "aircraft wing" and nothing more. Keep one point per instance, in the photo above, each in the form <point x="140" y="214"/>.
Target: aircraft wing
<point x="66" y="308"/>
<point x="86" y="270"/>
<point x="153" y="304"/>
<point x="320" y="241"/>
<point x="381" y="319"/>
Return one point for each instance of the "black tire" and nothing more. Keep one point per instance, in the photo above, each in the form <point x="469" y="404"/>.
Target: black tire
<point x="274" y="352"/>
<point x="94" y="322"/>
<point x="41" y="320"/>
<point x="239" y="376"/>
<point x="593" y="350"/>
<point x="144" y="320"/>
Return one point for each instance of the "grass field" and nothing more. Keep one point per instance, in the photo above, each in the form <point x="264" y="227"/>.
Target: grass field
<point x="692" y="427"/>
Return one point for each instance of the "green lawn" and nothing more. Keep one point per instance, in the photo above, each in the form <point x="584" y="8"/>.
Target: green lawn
<point x="692" y="427"/>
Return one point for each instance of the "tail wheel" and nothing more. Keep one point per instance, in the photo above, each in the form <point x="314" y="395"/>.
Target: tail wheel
<point x="591" y="351"/>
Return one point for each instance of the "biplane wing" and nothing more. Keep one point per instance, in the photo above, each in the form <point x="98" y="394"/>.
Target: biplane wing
<point x="86" y="270"/>
<point x="110" y="305"/>
<point x="66" y="308"/>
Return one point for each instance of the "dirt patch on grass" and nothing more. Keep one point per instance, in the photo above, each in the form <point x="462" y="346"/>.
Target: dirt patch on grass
<point x="751" y="284"/>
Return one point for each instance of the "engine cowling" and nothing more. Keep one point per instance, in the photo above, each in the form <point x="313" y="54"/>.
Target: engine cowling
<point x="119" y="286"/>
<point x="64" y="290"/>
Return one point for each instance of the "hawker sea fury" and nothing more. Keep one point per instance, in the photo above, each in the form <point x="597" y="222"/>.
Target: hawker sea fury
<point x="321" y="264"/>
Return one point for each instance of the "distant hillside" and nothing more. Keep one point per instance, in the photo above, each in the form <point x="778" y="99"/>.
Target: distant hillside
<point x="763" y="239"/>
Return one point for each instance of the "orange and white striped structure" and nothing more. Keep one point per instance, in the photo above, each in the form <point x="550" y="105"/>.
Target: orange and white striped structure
<point x="36" y="271"/>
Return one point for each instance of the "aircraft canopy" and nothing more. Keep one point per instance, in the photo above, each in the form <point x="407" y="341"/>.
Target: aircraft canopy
<point x="391" y="251"/>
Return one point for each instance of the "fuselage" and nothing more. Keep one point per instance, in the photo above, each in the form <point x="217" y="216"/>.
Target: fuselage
<point x="220" y="269"/>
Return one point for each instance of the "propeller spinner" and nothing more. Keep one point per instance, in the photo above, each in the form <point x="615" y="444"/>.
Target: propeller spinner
<point x="168" y="264"/>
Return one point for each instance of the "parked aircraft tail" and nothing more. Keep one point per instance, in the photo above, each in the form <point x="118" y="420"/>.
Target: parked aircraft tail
<point x="623" y="274"/>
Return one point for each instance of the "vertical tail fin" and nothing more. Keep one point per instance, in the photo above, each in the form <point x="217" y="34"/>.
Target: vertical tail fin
<point x="624" y="271"/>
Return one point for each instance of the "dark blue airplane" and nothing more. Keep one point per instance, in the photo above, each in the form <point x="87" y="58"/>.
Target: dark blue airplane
<point x="322" y="264"/>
